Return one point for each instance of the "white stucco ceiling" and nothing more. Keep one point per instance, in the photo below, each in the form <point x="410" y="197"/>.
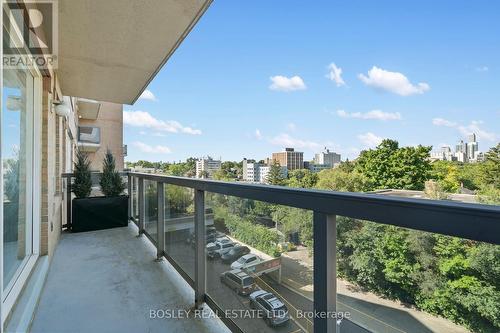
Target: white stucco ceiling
<point x="109" y="50"/>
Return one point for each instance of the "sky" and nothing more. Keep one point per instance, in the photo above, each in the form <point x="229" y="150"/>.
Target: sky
<point x="254" y="77"/>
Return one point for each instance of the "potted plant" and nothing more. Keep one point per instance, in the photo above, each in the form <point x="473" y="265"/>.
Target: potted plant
<point x="101" y="212"/>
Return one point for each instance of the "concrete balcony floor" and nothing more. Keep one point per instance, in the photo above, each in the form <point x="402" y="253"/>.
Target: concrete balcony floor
<point x="108" y="281"/>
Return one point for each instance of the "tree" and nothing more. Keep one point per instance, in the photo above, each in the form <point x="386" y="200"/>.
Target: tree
<point x="302" y="178"/>
<point x="389" y="166"/>
<point x="434" y="190"/>
<point x="275" y="176"/>
<point x="111" y="181"/>
<point x="339" y="180"/>
<point x="490" y="168"/>
<point x="82" y="185"/>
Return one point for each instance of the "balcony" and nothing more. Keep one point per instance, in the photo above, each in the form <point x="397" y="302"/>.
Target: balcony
<point x="89" y="138"/>
<point x="111" y="280"/>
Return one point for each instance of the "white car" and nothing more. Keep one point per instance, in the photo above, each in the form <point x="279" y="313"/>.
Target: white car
<point x="219" y="247"/>
<point x="245" y="261"/>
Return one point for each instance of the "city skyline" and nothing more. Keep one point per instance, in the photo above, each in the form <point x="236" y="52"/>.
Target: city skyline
<point x="299" y="79"/>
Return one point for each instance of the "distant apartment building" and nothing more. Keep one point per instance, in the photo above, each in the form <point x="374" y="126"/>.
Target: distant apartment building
<point x="327" y="158"/>
<point x="290" y="158"/>
<point x="206" y="167"/>
<point x="254" y="172"/>
<point x="264" y="173"/>
<point x="251" y="171"/>
<point x="318" y="167"/>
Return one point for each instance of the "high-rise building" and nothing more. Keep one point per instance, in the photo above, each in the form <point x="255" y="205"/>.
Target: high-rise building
<point x="289" y="158"/>
<point x="206" y="167"/>
<point x="472" y="147"/>
<point x="327" y="157"/>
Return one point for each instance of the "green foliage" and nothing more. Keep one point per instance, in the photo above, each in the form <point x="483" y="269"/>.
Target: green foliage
<point x="389" y="166"/>
<point x="229" y="171"/>
<point x="111" y="181"/>
<point x="246" y="231"/>
<point x="434" y="190"/>
<point x="303" y="178"/>
<point x="11" y="178"/>
<point x="295" y="220"/>
<point x="275" y="176"/>
<point x="82" y="185"/>
<point x="338" y="179"/>
<point x="490" y="168"/>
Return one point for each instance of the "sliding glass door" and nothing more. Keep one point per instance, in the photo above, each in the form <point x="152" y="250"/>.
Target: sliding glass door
<point x="17" y="168"/>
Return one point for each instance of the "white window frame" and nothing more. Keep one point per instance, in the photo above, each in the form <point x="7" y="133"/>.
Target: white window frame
<point x="9" y="296"/>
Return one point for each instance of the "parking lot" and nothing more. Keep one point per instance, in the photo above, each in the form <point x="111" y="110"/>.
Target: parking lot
<point x="226" y="298"/>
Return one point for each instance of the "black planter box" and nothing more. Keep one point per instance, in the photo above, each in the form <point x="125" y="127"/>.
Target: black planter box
<point x="98" y="213"/>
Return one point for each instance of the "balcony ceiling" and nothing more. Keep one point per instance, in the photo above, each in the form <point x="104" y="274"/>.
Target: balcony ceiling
<point x="110" y="50"/>
<point x="88" y="109"/>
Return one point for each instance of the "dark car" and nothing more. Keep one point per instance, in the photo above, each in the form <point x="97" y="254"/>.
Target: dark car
<point x="210" y="236"/>
<point x="239" y="281"/>
<point x="234" y="254"/>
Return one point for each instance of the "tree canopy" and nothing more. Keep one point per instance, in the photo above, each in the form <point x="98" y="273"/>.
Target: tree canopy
<point x="391" y="166"/>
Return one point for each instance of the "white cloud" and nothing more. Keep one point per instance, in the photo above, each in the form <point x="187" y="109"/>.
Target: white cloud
<point x="145" y="119"/>
<point x="373" y="114"/>
<point x="443" y="122"/>
<point x="148" y="95"/>
<point x="482" y="69"/>
<point x="258" y="135"/>
<point x="283" y="83"/>
<point x="369" y="139"/>
<point x="474" y="127"/>
<point x="145" y="148"/>
<point x="392" y="81"/>
<point x="335" y="74"/>
<point x="285" y="140"/>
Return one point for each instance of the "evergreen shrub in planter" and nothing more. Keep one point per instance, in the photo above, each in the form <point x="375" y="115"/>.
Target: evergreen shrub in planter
<point x="96" y="213"/>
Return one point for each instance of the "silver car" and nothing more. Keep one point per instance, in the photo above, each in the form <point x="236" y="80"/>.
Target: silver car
<point x="275" y="312"/>
<point x="239" y="281"/>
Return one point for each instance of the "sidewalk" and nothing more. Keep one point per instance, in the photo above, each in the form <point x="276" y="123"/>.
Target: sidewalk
<point x="365" y="307"/>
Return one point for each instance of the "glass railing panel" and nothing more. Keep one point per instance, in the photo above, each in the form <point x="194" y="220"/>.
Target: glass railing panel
<point x="150" y="209"/>
<point x="179" y="227"/>
<point x="271" y="246"/>
<point x="392" y="279"/>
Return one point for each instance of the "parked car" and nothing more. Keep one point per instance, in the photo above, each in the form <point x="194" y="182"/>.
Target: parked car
<point x="274" y="310"/>
<point x="210" y="236"/>
<point x="234" y="254"/>
<point x="219" y="247"/>
<point x="245" y="261"/>
<point x="240" y="281"/>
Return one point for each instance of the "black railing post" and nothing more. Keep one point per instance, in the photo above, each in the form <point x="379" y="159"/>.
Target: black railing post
<point x="325" y="275"/>
<point x="160" y="222"/>
<point x="68" y="202"/>
<point x="129" y="189"/>
<point x="200" y="279"/>
<point x="142" y="213"/>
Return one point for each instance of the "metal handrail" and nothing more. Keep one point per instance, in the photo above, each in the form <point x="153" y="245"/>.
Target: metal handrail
<point x="465" y="220"/>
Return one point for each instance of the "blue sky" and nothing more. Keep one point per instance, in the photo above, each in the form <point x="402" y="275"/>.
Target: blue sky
<point x="256" y="76"/>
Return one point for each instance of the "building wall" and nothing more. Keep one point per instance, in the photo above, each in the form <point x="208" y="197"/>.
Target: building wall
<point x="110" y="121"/>
<point x="291" y="159"/>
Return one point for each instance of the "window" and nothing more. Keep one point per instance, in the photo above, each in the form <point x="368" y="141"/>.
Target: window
<point x="89" y="134"/>
<point x="17" y="150"/>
